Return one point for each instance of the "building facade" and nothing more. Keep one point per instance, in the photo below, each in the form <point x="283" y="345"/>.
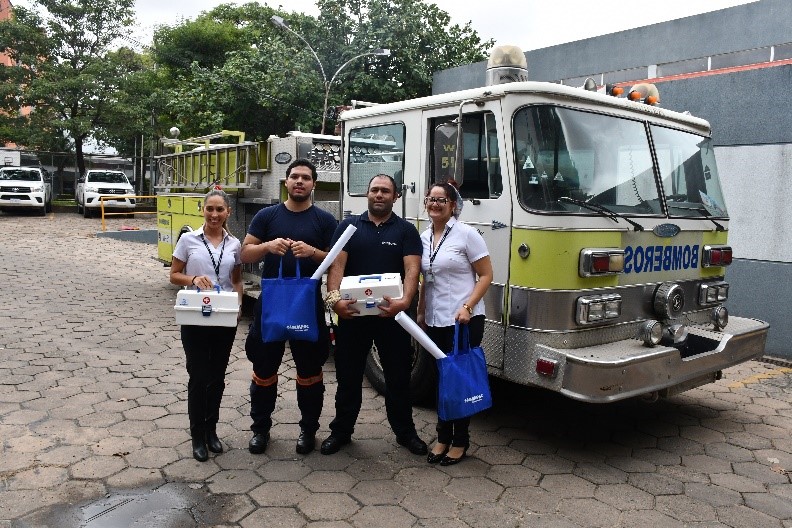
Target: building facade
<point x="732" y="67"/>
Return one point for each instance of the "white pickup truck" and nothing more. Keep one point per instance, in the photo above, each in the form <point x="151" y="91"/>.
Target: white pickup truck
<point x="25" y="187"/>
<point x="99" y="183"/>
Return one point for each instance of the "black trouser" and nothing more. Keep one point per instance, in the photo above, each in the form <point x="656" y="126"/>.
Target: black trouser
<point x="207" y="349"/>
<point x="309" y="357"/>
<point x="354" y="338"/>
<point x="455" y="432"/>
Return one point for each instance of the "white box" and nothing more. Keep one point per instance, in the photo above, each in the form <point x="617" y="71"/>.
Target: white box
<point x="206" y="308"/>
<point x="369" y="290"/>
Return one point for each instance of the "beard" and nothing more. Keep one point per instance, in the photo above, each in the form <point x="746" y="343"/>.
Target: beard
<point x="298" y="198"/>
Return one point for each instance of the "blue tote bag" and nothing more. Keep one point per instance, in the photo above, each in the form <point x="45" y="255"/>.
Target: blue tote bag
<point x="463" y="388"/>
<point x="289" y="308"/>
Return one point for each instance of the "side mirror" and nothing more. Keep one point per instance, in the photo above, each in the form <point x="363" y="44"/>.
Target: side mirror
<point x="81" y="180"/>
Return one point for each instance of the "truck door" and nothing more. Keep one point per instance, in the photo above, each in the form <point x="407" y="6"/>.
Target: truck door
<point x="485" y="188"/>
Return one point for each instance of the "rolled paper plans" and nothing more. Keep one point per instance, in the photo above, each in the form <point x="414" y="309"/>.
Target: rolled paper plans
<point x="414" y="330"/>
<point x="334" y="251"/>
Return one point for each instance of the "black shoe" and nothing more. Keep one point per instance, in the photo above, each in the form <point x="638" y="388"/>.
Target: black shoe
<point x="305" y="442"/>
<point x="258" y="443"/>
<point x="414" y="444"/>
<point x="213" y="443"/>
<point x="434" y="458"/>
<point x="332" y="444"/>
<point x="199" y="450"/>
<point x="449" y="461"/>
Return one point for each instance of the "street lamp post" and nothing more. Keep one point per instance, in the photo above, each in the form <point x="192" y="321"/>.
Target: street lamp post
<point x="279" y="22"/>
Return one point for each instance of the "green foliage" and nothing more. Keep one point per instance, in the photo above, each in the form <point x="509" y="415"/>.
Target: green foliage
<point x="204" y="41"/>
<point x="63" y="68"/>
<point x="272" y="82"/>
<point x="230" y="68"/>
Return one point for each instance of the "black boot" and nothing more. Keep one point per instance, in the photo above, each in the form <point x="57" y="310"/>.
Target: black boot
<point x="199" y="449"/>
<point x="213" y="443"/>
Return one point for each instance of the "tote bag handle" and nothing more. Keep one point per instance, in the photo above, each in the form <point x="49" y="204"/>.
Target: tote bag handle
<point x="280" y="268"/>
<point x="461" y="339"/>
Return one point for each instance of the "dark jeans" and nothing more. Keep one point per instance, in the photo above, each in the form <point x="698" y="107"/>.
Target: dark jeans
<point x="354" y="338"/>
<point x="309" y="357"/>
<point x="455" y="432"/>
<point x="207" y="349"/>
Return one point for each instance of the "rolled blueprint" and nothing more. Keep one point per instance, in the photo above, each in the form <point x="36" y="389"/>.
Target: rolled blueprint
<point x="414" y="330"/>
<point x="334" y="251"/>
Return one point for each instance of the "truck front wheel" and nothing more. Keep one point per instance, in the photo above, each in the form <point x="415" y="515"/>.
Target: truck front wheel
<point x="423" y="374"/>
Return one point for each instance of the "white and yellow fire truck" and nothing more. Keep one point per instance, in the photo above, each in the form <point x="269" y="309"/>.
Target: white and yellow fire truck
<point x="603" y="215"/>
<point x="604" y="219"/>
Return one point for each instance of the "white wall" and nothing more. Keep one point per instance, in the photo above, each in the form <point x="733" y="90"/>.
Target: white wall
<point x="756" y="186"/>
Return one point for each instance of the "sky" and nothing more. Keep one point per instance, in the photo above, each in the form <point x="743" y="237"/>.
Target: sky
<point x="529" y="24"/>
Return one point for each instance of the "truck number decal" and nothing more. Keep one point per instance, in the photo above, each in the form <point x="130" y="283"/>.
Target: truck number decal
<point x="644" y="259"/>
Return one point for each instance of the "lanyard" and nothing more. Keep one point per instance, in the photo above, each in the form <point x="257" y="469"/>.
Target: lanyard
<point x="211" y="256"/>
<point x="432" y="256"/>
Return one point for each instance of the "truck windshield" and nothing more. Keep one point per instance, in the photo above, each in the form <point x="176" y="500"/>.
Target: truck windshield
<point x="689" y="174"/>
<point x="587" y="157"/>
<point x="566" y="156"/>
<point x="20" y="175"/>
<point x="107" y="177"/>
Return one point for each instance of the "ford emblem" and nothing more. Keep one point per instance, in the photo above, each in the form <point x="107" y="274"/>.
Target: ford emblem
<point x="282" y="158"/>
<point x="666" y="230"/>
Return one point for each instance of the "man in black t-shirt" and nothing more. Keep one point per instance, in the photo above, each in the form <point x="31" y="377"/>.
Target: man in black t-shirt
<point x="382" y="243"/>
<point x="285" y="232"/>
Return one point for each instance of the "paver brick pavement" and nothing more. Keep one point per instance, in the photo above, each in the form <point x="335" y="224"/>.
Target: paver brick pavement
<point x="93" y="412"/>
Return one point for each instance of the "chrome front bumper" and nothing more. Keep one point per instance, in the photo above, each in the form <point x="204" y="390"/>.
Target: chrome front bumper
<point x="627" y="368"/>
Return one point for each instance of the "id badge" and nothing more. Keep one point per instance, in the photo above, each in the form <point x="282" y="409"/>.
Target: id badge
<point x="429" y="277"/>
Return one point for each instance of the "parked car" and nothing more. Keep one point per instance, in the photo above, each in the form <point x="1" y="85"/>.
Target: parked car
<point x="25" y="187"/>
<point x="98" y="183"/>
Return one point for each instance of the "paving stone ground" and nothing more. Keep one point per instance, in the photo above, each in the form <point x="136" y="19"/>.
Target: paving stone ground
<point x="93" y="426"/>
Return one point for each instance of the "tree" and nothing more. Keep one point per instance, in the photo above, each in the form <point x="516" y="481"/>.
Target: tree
<point x="65" y="69"/>
<point x="420" y="36"/>
<point x="264" y="80"/>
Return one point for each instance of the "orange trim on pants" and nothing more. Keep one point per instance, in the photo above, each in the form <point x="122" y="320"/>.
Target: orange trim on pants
<point x="307" y="382"/>
<point x="268" y="382"/>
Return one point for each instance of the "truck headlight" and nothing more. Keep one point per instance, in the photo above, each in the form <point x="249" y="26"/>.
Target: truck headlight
<point x="91" y="189"/>
<point x="713" y="292"/>
<point x="597" y="308"/>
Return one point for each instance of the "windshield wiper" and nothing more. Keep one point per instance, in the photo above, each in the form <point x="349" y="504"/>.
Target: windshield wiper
<point x="604" y="211"/>
<point x="700" y="209"/>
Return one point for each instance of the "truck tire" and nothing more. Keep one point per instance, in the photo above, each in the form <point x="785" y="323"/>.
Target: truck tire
<point x="423" y="375"/>
<point x="86" y="212"/>
<point x="79" y="208"/>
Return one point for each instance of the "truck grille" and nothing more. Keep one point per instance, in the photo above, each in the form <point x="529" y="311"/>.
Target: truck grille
<point x="14" y="189"/>
<point x="113" y="191"/>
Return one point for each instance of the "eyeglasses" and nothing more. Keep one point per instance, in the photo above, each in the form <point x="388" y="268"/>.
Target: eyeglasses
<point x="434" y="200"/>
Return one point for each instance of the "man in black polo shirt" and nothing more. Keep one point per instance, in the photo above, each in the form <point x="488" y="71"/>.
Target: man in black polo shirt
<point x="382" y="243"/>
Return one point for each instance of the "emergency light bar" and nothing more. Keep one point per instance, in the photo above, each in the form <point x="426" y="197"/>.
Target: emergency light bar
<point x="644" y="92"/>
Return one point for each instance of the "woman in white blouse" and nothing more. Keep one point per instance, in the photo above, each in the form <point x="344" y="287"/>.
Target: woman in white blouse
<point x="202" y="259"/>
<point x="457" y="271"/>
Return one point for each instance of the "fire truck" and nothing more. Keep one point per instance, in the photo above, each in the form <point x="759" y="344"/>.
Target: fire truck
<point x="603" y="214"/>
